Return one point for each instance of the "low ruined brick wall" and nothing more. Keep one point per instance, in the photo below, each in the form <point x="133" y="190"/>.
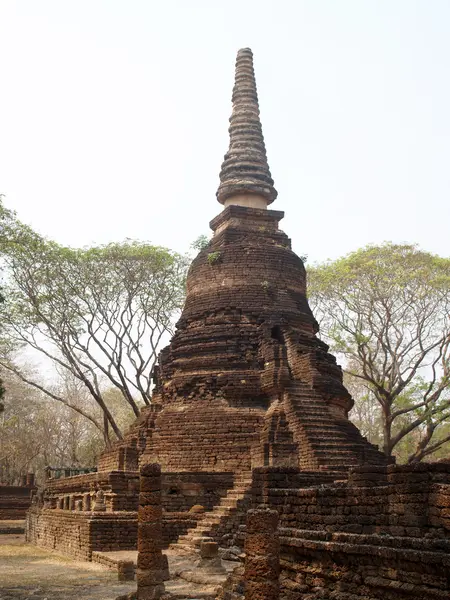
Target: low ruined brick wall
<point x="65" y="531"/>
<point x="86" y="513"/>
<point x="15" y="500"/>
<point x="383" y="535"/>
<point x="116" y="531"/>
<point x="78" y="534"/>
<point x="356" y="569"/>
<point x="98" y="511"/>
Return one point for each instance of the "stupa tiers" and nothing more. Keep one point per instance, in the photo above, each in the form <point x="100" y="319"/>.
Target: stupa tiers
<point x="244" y="383"/>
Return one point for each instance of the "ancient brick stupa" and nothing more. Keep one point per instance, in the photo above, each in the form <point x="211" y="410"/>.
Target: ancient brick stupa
<point x="245" y="380"/>
<point x="244" y="383"/>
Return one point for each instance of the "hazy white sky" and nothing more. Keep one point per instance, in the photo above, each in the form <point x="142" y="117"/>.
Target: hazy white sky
<point x="114" y="116"/>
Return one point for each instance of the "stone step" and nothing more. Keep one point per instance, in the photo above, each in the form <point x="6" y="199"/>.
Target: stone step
<point x="233" y="500"/>
<point x="226" y="508"/>
<point x="339" y="457"/>
<point x="222" y="510"/>
<point x="332" y="444"/>
<point x="215" y="517"/>
<point x="352" y="450"/>
<point x="228" y="503"/>
<point x="237" y="493"/>
<point x="199" y="533"/>
<point x="337" y="462"/>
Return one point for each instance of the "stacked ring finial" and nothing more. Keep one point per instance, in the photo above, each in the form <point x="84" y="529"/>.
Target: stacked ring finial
<point x="245" y="169"/>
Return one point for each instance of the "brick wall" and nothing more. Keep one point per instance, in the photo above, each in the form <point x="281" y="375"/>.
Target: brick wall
<point x="78" y="534"/>
<point x="182" y="491"/>
<point x="383" y="535"/>
<point x="69" y="522"/>
<point x="15" y="500"/>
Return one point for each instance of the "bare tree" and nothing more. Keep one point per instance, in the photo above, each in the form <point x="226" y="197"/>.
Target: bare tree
<point x="36" y="432"/>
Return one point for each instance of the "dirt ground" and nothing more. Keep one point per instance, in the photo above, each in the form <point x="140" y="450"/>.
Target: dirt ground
<point x="28" y="572"/>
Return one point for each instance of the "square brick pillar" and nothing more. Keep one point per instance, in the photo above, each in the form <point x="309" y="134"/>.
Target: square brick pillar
<point x="262" y="555"/>
<point x="152" y="565"/>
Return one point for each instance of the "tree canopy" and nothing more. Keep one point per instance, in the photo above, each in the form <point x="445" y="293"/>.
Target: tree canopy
<point x="98" y="313"/>
<point x="386" y="311"/>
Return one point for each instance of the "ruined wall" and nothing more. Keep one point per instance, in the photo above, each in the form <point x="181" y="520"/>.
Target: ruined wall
<point x="120" y="489"/>
<point x="64" y="531"/>
<point x="120" y="458"/>
<point x="182" y="491"/>
<point x="84" y="513"/>
<point x="383" y="535"/>
<point x="78" y="534"/>
<point x="15" y="500"/>
<point x="76" y="520"/>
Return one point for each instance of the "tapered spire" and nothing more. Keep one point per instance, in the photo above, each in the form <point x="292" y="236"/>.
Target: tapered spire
<point x="245" y="176"/>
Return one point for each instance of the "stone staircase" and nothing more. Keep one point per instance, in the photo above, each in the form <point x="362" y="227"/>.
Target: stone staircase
<point x="325" y="441"/>
<point x="227" y="508"/>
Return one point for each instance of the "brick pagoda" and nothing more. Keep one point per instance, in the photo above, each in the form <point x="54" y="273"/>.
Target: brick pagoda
<point x="245" y="383"/>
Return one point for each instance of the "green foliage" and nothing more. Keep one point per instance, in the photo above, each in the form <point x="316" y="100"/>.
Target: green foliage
<point x="214" y="258"/>
<point x="386" y="309"/>
<point x="200" y="243"/>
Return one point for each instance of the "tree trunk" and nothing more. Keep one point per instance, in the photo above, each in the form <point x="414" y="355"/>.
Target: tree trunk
<point x="387" y="431"/>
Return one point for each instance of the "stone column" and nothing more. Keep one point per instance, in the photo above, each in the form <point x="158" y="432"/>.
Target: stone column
<point x="87" y="502"/>
<point x="152" y="566"/>
<point x="262" y="560"/>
